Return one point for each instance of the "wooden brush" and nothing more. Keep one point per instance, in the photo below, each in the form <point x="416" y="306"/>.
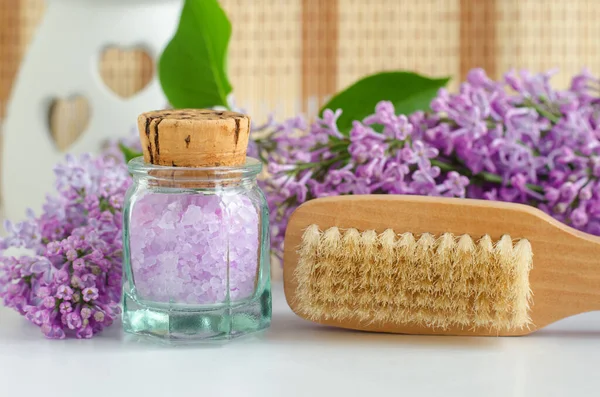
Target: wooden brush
<point x="430" y="265"/>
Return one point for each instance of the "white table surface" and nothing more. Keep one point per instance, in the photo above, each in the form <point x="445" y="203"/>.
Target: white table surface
<point x="297" y="358"/>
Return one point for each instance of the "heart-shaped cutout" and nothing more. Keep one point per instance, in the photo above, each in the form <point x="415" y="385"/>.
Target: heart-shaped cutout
<point x="126" y="71"/>
<point x="68" y="119"/>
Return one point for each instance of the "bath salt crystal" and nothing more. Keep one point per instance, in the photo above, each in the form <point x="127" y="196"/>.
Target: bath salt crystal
<point x="186" y="248"/>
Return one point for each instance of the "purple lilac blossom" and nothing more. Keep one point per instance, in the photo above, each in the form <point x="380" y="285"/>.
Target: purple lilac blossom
<point x="188" y="248"/>
<point x="516" y="140"/>
<point x="71" y="282"/>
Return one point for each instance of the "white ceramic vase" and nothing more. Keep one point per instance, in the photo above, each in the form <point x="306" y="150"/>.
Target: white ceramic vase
<point x="63" y="61"/>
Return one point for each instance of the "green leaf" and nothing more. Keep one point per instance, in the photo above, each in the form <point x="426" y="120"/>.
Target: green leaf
<point x="129" y="153"/>
<point x="193" y="66"/>
<point x="408" y="92"/>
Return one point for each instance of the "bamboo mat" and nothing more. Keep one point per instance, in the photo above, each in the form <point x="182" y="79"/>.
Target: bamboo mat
<point x="290" y="55"/>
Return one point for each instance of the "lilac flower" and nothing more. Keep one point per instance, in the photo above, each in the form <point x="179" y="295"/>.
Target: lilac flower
<point x="478" y="78"/>
<point x="54" y="331"/>
<point x="81" y="225"/>
<point x="328" y="124"/>
<point x="90" y="294"/>
<point x="64" y="292"/>
<point x="53" y="248"/>
<point x="424" y="181"/>
<point x="49" y="302"/>
<point x="517" y="140"/>
<point x="86" y="313"/>
<point x="43" y="292"/>
<point x="99" y="316"/>
<point x="74" y="320"/>
<point x="71" y="255"/>
<point x="456" y="184"/>
<point x="79" y="264"/>
<point x="579" y="217"/>
<point x="85" y="332"/>
<point x="396" y="127"/>
<point x="420" y="154"/>
<point x="65" y="307"/>
<point x="365" y="143"/>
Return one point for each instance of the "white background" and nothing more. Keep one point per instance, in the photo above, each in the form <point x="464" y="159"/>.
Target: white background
<point x="297" y="358"/>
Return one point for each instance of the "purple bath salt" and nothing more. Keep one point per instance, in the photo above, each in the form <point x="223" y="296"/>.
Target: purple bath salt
<point x="187" y="248"/>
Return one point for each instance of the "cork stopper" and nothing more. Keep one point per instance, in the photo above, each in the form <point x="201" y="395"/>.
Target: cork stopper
<point x="194" y="137"/>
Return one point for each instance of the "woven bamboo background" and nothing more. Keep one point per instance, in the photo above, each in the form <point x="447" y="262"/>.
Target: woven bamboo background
<point x="290" y="55"/>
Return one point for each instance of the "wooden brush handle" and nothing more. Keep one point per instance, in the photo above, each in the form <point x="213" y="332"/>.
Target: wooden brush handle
<point x="565" y="278"/>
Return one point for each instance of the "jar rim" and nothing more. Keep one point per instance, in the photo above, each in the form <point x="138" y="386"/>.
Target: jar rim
<point x="251" y="168"/>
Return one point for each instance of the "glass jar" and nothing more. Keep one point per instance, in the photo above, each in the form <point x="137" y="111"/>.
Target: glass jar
<point x="196" y="252"/>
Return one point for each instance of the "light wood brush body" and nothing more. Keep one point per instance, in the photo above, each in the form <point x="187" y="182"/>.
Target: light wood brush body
<point x="564" y="279"/>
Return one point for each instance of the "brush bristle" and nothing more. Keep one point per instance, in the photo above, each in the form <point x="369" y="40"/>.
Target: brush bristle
<point x="438" y="282"/>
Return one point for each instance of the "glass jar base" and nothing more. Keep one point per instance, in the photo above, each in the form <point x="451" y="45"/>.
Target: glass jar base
<point x="190" y="325"/>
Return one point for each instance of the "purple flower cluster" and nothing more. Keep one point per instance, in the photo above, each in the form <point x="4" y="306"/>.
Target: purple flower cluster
<point x="516" y="140"/>
<point x="69" y="283"/>
<point x="190" y="248"/>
